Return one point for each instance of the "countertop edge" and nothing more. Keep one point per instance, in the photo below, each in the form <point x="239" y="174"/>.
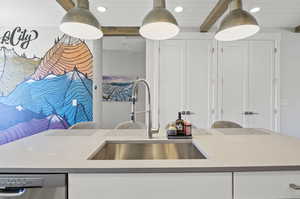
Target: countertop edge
<point x="149" y="170"/>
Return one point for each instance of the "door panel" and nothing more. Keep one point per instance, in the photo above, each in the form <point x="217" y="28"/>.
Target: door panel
<point x="151" y="186"/>
<point x="199" y="67"/>
<point x="172" y="60"/>
<point x="266" y="185"/>
<point x="261" y="70"/>
<point x="233" y="81"/>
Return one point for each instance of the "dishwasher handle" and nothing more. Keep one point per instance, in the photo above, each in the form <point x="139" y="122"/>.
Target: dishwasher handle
<point x="12" y="192"/>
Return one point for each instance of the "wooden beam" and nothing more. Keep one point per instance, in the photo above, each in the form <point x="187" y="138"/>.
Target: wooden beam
<point x="297" y="29"/>
<point x="214" y="15"/>
<point x="120" y="31"/>
<point x="66" y="4"/>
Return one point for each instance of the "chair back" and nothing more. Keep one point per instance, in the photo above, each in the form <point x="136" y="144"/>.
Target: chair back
<point x="84" y="125"/>
<point x="225" y="124"/>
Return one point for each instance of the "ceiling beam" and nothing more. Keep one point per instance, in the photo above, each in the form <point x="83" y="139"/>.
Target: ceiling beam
<point x="297" y="29"/>
<point x="214" y="15"/>
<point x="120" y="31"/>
<point x="66" y="4"/>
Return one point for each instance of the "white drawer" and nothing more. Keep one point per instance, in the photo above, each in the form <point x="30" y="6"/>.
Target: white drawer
<point x="151" y="186"/>
<point x="266" y="185"/>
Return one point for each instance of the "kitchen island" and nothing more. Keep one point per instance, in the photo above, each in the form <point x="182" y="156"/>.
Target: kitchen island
<point x="240" y="163"/>
<point x="226" y="150"/>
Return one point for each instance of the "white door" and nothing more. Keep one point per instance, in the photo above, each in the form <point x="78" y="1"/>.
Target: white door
<point x="233" y="63"/>
<point x="171" y="97"/>
<point x="247" y="90"/>
<point x="186" y="81"/>
<point x="261" y="92"/>
<point x="200" y="84"/>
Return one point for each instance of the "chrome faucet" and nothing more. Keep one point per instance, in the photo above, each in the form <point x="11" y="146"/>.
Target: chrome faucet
<point x="150" y="131"/>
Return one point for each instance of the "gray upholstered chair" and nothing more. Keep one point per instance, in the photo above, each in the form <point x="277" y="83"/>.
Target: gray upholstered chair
<point x="130" y="125"/>
<point x="84" y="125"/>
<point x="225" y="124"/>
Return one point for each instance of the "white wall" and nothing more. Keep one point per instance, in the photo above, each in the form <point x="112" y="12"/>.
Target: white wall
<point x="120" y="62"/>
<point x="123" y="62"/>
<point x="290" y="83"/>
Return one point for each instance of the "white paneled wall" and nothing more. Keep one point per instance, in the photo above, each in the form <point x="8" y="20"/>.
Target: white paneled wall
<point x="290" y="83"/>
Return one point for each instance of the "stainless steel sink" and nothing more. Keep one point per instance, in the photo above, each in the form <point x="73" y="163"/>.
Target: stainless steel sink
<point x="147" y="150"/>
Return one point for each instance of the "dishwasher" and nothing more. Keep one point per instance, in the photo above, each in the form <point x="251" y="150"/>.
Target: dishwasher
<point x="35" y="186"/>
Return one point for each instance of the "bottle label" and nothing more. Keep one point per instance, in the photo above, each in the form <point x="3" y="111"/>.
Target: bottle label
<point x="179" y="127"/>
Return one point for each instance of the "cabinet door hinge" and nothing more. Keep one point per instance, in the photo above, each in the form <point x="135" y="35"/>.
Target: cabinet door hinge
<point x="213" y="50"/>
<point x="222" y="111"/>
<point x="213" y="111"/>
<point x="275" y="50"/>
<point x="275" y="80"/>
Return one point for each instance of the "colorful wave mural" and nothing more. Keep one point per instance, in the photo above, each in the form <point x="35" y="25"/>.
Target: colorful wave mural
<point x="53" y="92"/>
<point x="66" y="54"/>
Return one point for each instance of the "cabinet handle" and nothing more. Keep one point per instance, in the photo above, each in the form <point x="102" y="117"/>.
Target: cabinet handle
<point x="15" y="193"/>
<point x="250" y="113"/>
<point x="294" y="186"/>
<point x="187" y="113"/>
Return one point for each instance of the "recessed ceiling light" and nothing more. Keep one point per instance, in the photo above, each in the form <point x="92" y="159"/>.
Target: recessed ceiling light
<point x="254" y="10"/>
<point x="178" y="9"/>
<point x="101" y="9"/>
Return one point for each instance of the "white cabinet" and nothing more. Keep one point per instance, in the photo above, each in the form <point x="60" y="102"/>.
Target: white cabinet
<point x="235" y="81"/>
<point x="187" y="70"/>
<point x="232" y="66"/>
<point x="248" y="84"/>
<point x="151" y="186"/>
<point x="171" y="91"/>
<point x="266" y="185"/>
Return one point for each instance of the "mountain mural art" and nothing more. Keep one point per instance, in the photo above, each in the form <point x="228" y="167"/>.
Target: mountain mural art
<point x="14" y="69"/>
<point x="53" y="92"/>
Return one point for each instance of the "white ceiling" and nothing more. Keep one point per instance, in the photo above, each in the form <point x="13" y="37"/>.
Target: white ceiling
<point x="274" y="13"/>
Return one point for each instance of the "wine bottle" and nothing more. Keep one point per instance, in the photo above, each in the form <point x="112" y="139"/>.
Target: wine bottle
<point x="180" y="125"/>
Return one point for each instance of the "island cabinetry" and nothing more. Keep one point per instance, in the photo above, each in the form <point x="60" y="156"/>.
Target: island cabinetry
<point x="151" y="186"/>
<point x="267" y="185"/>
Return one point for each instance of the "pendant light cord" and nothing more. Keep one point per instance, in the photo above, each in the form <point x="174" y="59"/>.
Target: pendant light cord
<point x="235" y="4"/>
<point x="82" y="4"/>
<point x="159" y="3"/>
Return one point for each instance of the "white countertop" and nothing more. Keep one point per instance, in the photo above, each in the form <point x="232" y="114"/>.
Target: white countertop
<point x="60" y="151"/>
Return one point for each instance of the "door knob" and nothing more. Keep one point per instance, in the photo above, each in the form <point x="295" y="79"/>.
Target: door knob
<point x="250" y="113"/>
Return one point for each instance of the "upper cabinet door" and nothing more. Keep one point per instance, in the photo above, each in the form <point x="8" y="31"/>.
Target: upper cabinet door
<point x="200" y="85"/>
<point x="186" y="81"/>
<point x="233" y="62"/>
<point x="261" y="93"/>
<point x="172" y="86"/>
<point x="247" y="90"/>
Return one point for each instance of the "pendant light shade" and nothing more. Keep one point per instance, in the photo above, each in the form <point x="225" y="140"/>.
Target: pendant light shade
<point x="159" y="24"/>
<point x="79" y="22"/>
<point x="238" y="24"/>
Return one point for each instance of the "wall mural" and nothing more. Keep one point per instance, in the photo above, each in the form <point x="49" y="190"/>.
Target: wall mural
<point x="38" y="94"/>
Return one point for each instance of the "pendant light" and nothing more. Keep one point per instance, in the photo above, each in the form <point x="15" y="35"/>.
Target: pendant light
<point x="79" y="22"/>
<point x="159" y="23"/>
<point x="238" y="24"/>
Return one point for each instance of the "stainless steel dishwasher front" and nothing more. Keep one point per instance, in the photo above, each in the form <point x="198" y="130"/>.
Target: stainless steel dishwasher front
<point x="33" y="186"/>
